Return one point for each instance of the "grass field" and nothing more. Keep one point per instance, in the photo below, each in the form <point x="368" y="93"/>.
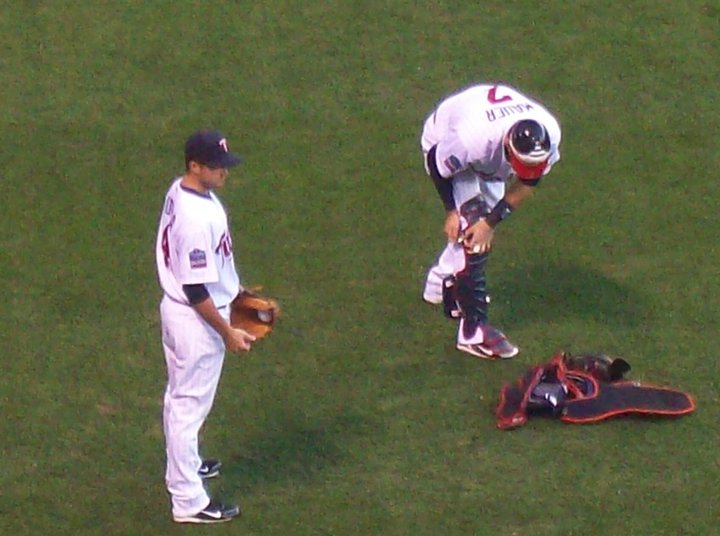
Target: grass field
<point x="357" y="416"/>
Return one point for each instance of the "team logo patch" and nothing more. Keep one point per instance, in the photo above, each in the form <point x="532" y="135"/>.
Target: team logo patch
<point x="452" y="162"/>
<point x="198" y="259"/>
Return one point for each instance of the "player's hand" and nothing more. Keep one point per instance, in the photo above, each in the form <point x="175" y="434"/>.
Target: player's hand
<point x="452" y="225"/>
<point x="238" y="340"/>
<point x="478" y="237"/>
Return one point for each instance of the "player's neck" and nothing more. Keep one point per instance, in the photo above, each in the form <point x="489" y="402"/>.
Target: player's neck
<point x="191" y="182"/>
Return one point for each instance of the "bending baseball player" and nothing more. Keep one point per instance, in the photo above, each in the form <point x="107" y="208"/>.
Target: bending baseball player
<point x="197" y="273"/>
<point x="475" y="144"/>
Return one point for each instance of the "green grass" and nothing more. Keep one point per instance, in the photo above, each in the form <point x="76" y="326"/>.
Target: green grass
<point x="357" y="416"/>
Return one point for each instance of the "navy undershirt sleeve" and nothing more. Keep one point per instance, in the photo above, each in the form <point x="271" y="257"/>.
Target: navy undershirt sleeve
<point x="442" y="185"/>
<point x="196" y="293"/>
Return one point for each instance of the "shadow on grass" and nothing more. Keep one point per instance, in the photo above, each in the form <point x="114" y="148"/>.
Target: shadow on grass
<point x="294" y="449"/>
<point x="552" y="292"/>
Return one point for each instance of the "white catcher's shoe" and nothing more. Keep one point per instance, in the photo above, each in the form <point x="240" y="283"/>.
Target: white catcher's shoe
<point x="494" y="345"/>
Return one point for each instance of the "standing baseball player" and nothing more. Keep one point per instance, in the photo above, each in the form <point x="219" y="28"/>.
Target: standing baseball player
<point x="197" y="273"/>
<point x="485" y="148"/>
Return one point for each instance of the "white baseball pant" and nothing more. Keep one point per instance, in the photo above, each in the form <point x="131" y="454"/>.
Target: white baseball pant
<point x="194" y="354"/>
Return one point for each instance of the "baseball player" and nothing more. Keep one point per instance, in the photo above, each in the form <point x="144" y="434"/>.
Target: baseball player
<point x="197" y="274"/>
<point x="485" y="148"/>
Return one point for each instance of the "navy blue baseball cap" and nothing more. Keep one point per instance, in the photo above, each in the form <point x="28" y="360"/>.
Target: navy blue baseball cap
<point x="210" y="148"/>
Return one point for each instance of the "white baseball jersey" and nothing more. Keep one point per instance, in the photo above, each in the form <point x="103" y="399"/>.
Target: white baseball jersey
<point x="469" y="129"/>
<point x="194" y="246"/>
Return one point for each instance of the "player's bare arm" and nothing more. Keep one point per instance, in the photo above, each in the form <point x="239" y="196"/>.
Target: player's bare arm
<point x="478" y="237"/>
<point x="518" y="192"/>
<point x="236" y="340"/>
<point x="452" y="225"/>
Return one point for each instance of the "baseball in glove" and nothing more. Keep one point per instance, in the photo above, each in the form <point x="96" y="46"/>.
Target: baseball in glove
<point x="254" y="313"/>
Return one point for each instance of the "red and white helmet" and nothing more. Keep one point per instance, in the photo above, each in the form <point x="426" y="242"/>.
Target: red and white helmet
<point x="527" y="146"/>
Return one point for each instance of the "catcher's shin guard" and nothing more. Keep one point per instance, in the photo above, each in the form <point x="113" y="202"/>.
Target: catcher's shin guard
<point x="474" y="209"/>
<point x="466" y="293"/>
<point x="471" y="293"/>
<point x="450" y="301"/>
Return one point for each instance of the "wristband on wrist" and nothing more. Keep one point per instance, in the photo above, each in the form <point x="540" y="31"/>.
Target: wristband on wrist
<point x="499" y="212"/>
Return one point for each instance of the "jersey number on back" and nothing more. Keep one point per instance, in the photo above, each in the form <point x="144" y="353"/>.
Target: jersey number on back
<point x="494" y="99"/>
<point x="165" y="242"/>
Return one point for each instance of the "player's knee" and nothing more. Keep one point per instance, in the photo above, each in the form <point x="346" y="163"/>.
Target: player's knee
<point x="474" y="209"/>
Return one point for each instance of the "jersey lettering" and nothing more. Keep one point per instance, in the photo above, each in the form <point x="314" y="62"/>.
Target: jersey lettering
<point x="504" y="111"/>
<point x="224" y="245"/>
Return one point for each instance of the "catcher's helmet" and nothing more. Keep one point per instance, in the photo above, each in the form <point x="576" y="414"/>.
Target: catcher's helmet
<point x="528" y="148"/>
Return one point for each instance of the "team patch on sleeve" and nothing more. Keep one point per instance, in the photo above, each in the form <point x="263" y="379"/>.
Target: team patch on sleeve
<point x="452" y="162"/>
<point x="198" y="259"/>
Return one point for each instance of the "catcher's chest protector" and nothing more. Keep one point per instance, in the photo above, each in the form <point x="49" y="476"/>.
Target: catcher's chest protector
<point x="584" y="394"/>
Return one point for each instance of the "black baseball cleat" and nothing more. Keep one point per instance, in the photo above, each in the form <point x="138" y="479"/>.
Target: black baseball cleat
<point x="209" y="468"/>
<point x="495" y="344"/>
<point x="212" y="513"/>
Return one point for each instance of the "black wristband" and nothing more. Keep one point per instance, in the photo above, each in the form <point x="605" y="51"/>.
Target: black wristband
<point x="499" y="212"/>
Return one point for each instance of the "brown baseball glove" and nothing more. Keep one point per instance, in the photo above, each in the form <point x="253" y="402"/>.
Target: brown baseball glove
<point x="254" y="313"/>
